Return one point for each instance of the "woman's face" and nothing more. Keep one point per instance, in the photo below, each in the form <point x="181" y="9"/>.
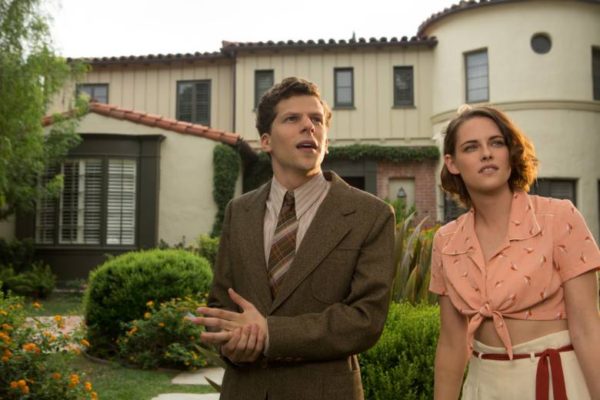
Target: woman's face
<point x="481" y="156"/>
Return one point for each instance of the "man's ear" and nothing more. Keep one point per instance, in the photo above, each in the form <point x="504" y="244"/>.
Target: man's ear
<point x="265" y="142"/>
<point x="327" y="146"/>
<point x="449" y="162"/>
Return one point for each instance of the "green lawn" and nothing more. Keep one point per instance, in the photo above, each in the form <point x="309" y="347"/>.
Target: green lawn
<point x="110" y="380"/>
<point x="114" y="382"/>
<point x="58" y="303"/>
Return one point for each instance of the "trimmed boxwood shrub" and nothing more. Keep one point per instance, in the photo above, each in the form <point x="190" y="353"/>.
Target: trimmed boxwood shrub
<point x="120" y="288"/>
<point x="400" y="365"/>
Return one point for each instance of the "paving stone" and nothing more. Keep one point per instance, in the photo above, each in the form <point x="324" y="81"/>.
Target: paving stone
<point x="187" y="396"/>
<point x="215" y="374"/>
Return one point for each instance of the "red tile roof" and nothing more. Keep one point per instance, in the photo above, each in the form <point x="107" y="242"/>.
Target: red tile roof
<point x="153" y="58"/>
<point x="160" y="122"/>
<point x="228" y="49"/>
<point x="232" y="47"/>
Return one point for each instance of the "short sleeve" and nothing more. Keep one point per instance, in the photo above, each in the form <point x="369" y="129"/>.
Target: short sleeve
<point x="575" y="250"/>
<point x="437" y="284"/>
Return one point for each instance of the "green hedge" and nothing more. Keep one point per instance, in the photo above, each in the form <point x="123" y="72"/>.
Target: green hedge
<point x="226" y="168"/>
<point x="120" y="288"/>
<point x="400" y="365"/>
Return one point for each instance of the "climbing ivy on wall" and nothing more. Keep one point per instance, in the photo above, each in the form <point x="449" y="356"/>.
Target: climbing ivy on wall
<point x="226" y="163"/>
<point x="258" y="170"/>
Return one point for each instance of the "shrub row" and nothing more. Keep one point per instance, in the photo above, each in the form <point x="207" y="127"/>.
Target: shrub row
<point x="400" y="365"/>
<point x="120" y="290"/>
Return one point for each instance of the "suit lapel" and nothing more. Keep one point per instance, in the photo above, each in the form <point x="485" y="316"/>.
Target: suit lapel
<point x="253" y="246"/>
<point x="327" y="229"/>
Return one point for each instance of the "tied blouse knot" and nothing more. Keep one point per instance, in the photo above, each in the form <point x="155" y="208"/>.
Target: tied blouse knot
<point x="547" y="243"/>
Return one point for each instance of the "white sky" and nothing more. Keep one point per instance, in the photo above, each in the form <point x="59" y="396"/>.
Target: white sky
<point x="99" y="28"/>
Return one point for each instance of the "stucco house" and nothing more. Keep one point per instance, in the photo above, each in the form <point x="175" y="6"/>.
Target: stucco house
<point x="162" y="116"/>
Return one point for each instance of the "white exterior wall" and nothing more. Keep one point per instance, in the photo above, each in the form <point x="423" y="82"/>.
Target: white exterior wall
<point x="186" y="205"/>
<point x="549" y="95"/>
<point x="153" y="89"/>
<point x="374" y="118"/>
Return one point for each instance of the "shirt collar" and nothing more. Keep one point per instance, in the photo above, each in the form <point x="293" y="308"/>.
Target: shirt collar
<point x="522" y="225"/>
<point x="305" y="195"/>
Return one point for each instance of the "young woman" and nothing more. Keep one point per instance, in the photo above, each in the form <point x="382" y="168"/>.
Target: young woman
<point x="516" y="275"/>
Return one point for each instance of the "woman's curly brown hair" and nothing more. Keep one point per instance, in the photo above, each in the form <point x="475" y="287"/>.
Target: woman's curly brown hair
<point x="523" y="161"/>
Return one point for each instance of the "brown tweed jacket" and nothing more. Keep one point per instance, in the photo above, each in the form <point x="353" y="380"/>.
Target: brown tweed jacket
<point x="332" y="303"/>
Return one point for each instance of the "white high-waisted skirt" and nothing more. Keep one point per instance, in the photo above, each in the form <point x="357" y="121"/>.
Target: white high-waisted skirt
<point x="515" y="380"/>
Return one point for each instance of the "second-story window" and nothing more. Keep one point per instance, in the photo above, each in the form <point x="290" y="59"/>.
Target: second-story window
<point x="263" y="80"/>
<point x="344" y="87"/>
<point x="596" y="71"/>
<point x="193" y="101"/>
<point x="476" y="70"/>
<point x="97" y="92"/>
<point x="403" y="86"/>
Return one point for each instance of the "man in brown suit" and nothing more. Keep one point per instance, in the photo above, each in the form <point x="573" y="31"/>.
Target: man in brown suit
<point x="304" y="268"/>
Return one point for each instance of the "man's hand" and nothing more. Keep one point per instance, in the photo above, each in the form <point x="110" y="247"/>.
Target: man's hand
<point x="242" y="336"/>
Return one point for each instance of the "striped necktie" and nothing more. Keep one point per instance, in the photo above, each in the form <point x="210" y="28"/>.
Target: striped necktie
<point x="283" y="246"/>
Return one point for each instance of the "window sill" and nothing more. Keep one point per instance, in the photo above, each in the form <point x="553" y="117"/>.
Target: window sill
<point x="404" y="107"/>
<point x="342" y="108"/>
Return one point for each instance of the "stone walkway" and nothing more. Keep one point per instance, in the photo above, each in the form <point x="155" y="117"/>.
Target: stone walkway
<point x="195" y="378"/>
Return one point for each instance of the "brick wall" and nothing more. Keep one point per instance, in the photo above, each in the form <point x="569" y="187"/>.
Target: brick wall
<point x="423" y="174"/>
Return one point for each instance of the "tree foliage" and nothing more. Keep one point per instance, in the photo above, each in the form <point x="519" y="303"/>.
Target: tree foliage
<point x="31" y="74"/>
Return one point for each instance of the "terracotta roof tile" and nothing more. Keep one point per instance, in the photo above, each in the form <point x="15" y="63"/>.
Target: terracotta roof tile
<point x="151" y="58"/>
<point x="233" y="47"/>
<point x="158" y="121"/>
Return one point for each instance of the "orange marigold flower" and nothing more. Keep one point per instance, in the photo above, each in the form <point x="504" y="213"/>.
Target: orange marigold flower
<point x="84" y="343"/>
<point x="94" y="396"/>
<point x="60" y="322"/>
<point x="37" y="305"/>
<point x="73" y="380"/>
<point x="56" y="376"/>
<point x="4" y="337"/>
<point x="31" y="347"/>
<point x="2" y="312"/>
<point x="88" y="386"/>
<point x="5" y="359"/>
<point x="147" y="315"/>
<point x="132" y="330"/>
<point x="150" y="304"/>
<point x="14" y="385"/>
<point x="21" y="383"/>
<point x="7" y="327"/>
<point x="25" y="389"/>
<point x="161" y="324"/>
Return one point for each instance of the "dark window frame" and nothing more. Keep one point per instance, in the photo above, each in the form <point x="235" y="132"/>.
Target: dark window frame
<point x="542" y="185"/>
<point x="194" y="119"/>
<point x="466" y="56"/>
<point x="93" y="86"/>
<point x="104" y="192"/>
<point x="337" y="103"/>
<point x="398" y="100"/>
<point x="257" y="95"/>
<point x="596" y="72"/>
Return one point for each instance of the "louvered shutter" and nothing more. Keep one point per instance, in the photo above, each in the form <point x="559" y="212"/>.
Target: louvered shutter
<point x="121" y="202"/>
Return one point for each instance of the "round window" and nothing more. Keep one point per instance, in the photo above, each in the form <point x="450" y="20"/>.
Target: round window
<point x="541" y="43"/>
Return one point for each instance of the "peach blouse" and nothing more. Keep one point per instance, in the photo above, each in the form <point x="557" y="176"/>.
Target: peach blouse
<point x="547" y="244"/>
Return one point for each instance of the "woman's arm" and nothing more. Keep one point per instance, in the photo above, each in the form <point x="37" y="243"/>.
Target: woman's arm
<point x="451" y="354"/>
<point x="581" y="297"/>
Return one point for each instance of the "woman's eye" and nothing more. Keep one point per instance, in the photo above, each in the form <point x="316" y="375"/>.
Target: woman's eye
<point x="498" y="143"/>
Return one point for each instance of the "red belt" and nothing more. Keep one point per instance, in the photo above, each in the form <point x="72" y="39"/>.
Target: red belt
<point x="542" y="382"/>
